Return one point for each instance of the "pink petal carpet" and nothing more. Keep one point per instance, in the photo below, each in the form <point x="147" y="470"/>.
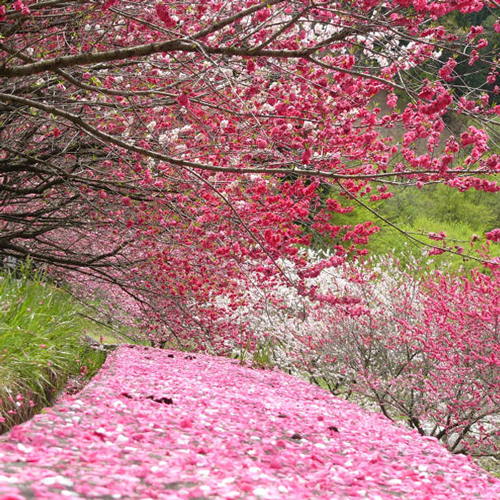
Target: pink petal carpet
<point x="158" y="424"/>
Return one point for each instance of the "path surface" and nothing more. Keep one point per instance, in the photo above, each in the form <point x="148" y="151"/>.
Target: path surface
<point x="156" y="424"/>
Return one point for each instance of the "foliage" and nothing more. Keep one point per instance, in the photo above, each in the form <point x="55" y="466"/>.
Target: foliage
<point x="41" y="345"/>
<point x="260" y="356"/>
<point x="477" y="79"/>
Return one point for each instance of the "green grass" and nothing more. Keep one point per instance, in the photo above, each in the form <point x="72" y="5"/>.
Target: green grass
<point x="459" y="235"/>
<point x="434" y="208"/>
<point x="261" y="357"/>
<point x="41" y="345"/>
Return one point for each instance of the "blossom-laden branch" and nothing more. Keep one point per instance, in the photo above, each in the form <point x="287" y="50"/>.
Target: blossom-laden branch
<point x="182" y="152"/>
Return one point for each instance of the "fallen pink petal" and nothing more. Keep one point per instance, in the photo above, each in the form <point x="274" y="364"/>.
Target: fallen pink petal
<point x="226" y="431"/>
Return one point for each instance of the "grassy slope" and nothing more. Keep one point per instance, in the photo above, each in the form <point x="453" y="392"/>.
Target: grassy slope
<point x="41" y="346"/>
<point x="432" y="209"/>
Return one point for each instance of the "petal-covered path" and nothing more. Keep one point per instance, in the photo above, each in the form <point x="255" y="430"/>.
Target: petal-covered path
<point x="158" y="424"/>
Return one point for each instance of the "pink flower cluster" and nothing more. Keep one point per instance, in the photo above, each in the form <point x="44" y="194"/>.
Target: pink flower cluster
<point x="167" y="425"/>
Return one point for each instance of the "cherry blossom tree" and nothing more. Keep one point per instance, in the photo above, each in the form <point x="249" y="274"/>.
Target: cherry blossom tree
<point x="178" y="152"/>
<point x="421" y="347"/>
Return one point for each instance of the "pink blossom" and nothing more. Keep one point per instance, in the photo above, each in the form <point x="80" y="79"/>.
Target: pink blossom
<point x="250" y="66"/>
<point x="21" y="7"/>
<point x="306" y="156"/>
<point x="154" y="418"/>
<point x="163" y="13"/>
<point x="493" y="235"/>
<point x="183" y="100"/>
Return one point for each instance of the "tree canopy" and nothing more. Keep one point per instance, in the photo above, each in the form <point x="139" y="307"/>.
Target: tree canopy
<point x="172" y="155"/>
